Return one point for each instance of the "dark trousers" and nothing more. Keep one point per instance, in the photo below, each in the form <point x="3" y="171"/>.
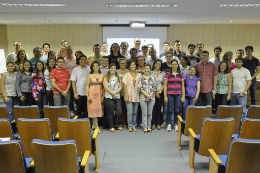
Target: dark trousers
<point x="139" y="115"/>
<point x="156" y="119"/>
<point x="220" y="99"/>
<point x="71" y="104"/>
<point x="28" y="101"/>
<point x="113" y="107"/>
<point x="123" y="118"/>
<point x="205" y="99"/>
<point x="42" y="100"/>
<point x="50" y="99"/>
<point x="253" y="89"/>
<point x="82" y="110"/>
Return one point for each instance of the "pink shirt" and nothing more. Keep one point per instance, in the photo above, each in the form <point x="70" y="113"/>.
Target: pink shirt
<point x="132" y="91"/>
<point x="206" y="73"/>
<point x="232" y="67"/>
<point x="70" y="64"/>
<point x="174" y="82"/>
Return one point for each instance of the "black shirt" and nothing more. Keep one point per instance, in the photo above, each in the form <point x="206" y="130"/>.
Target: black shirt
<point x="251" y="65"/>
<point x="115" y="59"/>
<point x="193" y="60"/>
<point x="181" y="54"/>
<point x="196" y="54"/>
<point x="166" y="68"/>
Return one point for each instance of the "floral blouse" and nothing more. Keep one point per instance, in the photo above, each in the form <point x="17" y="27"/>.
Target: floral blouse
<point x="38" y="84"/>
<point x="113" y="84"/>
<point x="10" y="81"/>
<point x="148" y="86"/>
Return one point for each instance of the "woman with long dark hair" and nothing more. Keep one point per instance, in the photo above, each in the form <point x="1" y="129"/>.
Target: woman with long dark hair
<point x="38" y="86"/>
<point x="115" y="55"/>
<point x="20" y="58"/>
<point x="228" y="58"/>
<point x="50" y="65"/>
<point x="185" y="65"/>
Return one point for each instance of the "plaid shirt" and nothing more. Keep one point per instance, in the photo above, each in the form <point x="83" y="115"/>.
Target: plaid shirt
<point x="23" y="83"/>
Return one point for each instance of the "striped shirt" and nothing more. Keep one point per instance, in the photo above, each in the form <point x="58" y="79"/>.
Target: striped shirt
<point x="48" y="80"/>
<point x="174" y="82"/>
<point x="23" y="83"/>
<point x="70" y="64"/>
<point x="61" y="77"/>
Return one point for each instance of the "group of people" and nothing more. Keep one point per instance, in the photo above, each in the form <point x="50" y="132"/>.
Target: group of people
<point x="111" y="84"/>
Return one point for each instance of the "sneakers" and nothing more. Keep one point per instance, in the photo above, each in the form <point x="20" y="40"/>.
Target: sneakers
<point x="72" y="114"/>
<point x="176" y="128"/>
<point x="163" y="124"/>
<point x="169" y="128"/>
<point x="130" y="130"/>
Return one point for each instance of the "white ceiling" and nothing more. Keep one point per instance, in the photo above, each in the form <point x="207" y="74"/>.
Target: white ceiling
<point x="96" y="11"/>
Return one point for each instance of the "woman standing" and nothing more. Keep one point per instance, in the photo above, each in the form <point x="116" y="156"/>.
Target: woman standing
<point x="113" y="85"/>
<point x="38" y="86"/>
<point x="24" y="84"/>
<point x="224" y="85"/>
<point x="52" y="54"/>
<point x="50" y="65"/>
<point x="228" y="58"/>
<point x="63" y="52"/>
<point x="174" y="93"/>
<point x="130" y="81"/>
<point x="147" y="86"/>
<point x="8" y="80"/>
<point x="20" y="58"/>
<point x="185" y="65"/>
<point x="95" y="94"/>
<point x="121" y="72"/>
<point x="192" y="83"/>
<point x="115" y="55"/>
<point x="159" y="73"/>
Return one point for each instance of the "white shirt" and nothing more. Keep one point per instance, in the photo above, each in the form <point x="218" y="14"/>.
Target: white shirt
<point x="239" y="79"/>
<point x="216" y="62"/>
<point x="11" y="57"/>
<point x="127" y="55"/>
<point x="150" y="61"/>
<point x="186" y="71"/>
<point x="106" y="54"/>
<point x="104" y="70"/>
<point x="79" y="76"/>
<point x="174" y="57"/>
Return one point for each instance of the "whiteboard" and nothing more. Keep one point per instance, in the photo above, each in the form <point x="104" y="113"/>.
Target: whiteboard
<point x="2" y="61"/>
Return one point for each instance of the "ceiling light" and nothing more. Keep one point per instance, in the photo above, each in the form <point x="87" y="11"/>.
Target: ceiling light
<point x="62" y="21"/>
<point x="210" y="21"/>
<point x="31" y="5"/>
<point x="137" y="20"/>
<point x="137" y="25"/>
<point x="141" y="5"/>
<point x="6" y="21"/>
<point x="239" y="5"/>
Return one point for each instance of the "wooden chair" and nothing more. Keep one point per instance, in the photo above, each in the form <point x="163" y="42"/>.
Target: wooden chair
<point x="4" y="112"/>
<point x="6" y="130"/>
<point x="215" y="134"/>
<point x="253" y="112"/>
<point x="228" y="111"/>
<point x="30" y="112"/>
<point x="250" y="129"/>
<point x="242" y="157"/>
<point x="55" y="112"/>
<point x="80" y="131"/>
<point x="58" y="157"/>
<point x="33" y="129"/>
<point x="194" y="118"/>
<point x="12" y="159"/>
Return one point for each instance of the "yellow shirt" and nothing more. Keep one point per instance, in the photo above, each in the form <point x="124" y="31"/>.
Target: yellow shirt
<point x="92" y="58"/>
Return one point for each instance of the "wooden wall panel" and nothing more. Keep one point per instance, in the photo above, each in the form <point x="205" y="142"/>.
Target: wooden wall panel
<point x="3" y="39"/>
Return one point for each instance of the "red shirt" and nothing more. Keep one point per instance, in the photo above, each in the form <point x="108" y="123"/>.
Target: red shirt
<point x="206" y="73"/>
<point x="174" y="82"/>
<point x="61" y="77"/>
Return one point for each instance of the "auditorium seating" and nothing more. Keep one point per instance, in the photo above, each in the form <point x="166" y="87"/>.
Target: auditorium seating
<point x="250" y="129"/>
<point x="6" y="130"/>
<point x="215" y="134"/>
<point x="30" y="112"/>
<point x="242" y="157"/>
<point x="80" y="131"/>
<point x="4" y="112"/>
<point x="58" y="157"/>
<point x="253" y="112"/>
<point x="228" y="111"/>
<point x="12" y="158"/>
<point x="194" y="118"/>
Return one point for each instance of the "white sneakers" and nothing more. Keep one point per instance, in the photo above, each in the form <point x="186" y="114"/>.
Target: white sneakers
<point x="176" y="128"/>
<point x="169" y="127"/>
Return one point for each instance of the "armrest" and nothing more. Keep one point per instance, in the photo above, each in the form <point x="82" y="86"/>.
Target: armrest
<point x="215" y="157"/>
<point x="233" y="136"/>
<point x="32" y="163"/>
<point x="18" y="137"/>
<point x="57" y="136"/>
<point x="13" y="121"/>
<point x="193" y="135"/>
<point x="76" y="117"/>
<point x="85" y="158"/>
<point x="95" y="134"/>
<point x="180" y="119"/>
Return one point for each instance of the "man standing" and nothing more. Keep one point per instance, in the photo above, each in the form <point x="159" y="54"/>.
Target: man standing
<point x="133" y="56"/>
<point x="60" y="79"/>
<point x="171" y="50"/>
<point x="11" y="57"/>
<point x="124" y="46"/>
<point x="240" y="53"/>
<point x="140" y="65"/>
<point x="207" y="71"/>
<point x="96" y="56"/>
<point x="200" y="47"/>
<point x="150" y="46"/>
<point x="167" y="66"/>
<point x="252" y="64"/>
<point x="104" y="65"/>
<point x="145" y="52"/>
<point x="137" y="43"/>
<point x="241" y="81"/>
<point x="193" y="58"/>
<point x="217" y="60"/>
<point x="37" y="57"/>
<point x="64" y="44"/>
<point x="178" y="52"/>
<point x="79" y="79"/>
<point x="151" y="59"/>
<point x="104" y="49"/>
<point x="46" y="48"/>
<point x="165" y="48"/>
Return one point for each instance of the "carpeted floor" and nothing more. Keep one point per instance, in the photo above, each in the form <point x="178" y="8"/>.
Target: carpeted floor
<point x="137" y="152"/>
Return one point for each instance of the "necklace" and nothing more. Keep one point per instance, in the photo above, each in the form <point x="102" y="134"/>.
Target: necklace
<point x="134" y="76"/>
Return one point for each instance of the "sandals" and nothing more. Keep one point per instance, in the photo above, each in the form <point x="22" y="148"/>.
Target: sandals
<point x="120" y="128"/>
<point x="150" y="130"/>
<point x="145" y="131"/>
<point x="112" y="130"/>
<point x="159" y="127"/>
<point x="153" y="127"/>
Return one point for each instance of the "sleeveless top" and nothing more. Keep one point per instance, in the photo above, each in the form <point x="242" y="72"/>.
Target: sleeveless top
<point x="222" y="84"/>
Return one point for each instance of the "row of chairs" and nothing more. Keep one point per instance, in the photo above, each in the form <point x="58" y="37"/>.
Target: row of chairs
<point x="209" y="136"/>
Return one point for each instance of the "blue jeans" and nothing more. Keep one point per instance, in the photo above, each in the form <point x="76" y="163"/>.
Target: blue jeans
<point x="253" y="89"/>
<point x="238" y="100"/>
<point x="12" y="102"/>
<point x="188" y="101"/>
<point x="131" y="113"/>
<point x="174" y="101"/>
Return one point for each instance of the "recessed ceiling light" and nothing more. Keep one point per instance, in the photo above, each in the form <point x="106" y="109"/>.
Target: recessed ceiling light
<point x="6" y="21"/>
<point x="137" y="20"/>
<point x="62" y="21"/>
<point x="210" y="21"/>
<point x="141" y="5"/>
<point x="31" y="5"/>
<point x="239" y="5"/>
